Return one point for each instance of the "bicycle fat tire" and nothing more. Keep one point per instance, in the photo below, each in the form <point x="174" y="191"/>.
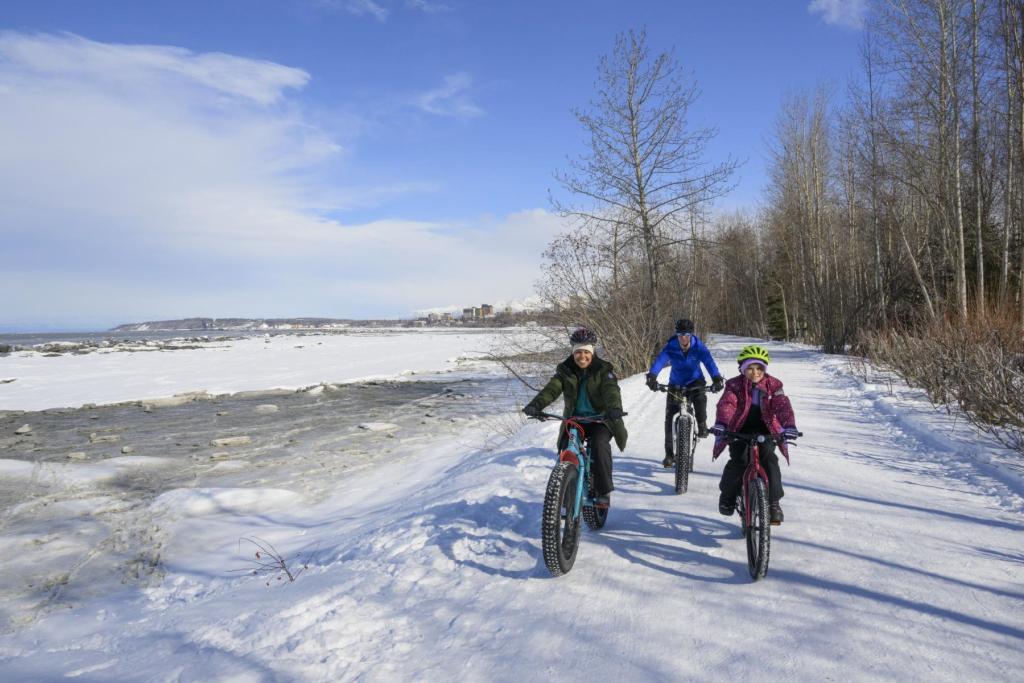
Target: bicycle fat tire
<point x="560" y="527"/>
<point x="684" y="455"/>
<point x="594" y="517"/>
<point x="759" y="532"/>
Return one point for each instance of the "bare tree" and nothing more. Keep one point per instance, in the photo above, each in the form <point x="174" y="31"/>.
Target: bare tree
<point x="644" y="176"/>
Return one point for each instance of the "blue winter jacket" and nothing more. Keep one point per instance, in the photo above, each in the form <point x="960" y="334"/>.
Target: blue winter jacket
<point x="685" y="364"/>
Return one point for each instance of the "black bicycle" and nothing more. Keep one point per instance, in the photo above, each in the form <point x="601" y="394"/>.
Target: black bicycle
<point x="752" y="503"/>
<point x="684" y="434"/>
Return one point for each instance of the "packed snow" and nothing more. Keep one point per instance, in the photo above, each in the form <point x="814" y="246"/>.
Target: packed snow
<point x="900" y="559"/>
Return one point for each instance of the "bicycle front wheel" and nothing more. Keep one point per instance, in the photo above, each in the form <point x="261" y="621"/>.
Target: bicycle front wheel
<point x="758" y="532"/>
<point x="684" y="454"/>
<point x="560" y="525"/>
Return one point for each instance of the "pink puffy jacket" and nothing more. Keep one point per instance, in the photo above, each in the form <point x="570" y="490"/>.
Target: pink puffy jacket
<point x="734" y="406"/>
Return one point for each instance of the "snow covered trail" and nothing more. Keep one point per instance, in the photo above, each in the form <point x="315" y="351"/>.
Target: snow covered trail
<point x="900" y="559"/>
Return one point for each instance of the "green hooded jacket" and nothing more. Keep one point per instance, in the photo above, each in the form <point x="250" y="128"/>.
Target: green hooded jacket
<point x="602" y="389"/>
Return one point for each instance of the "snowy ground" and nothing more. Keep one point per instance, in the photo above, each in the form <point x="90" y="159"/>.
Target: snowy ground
<point x="900" y="559"/>
<point x="31" y="381"/>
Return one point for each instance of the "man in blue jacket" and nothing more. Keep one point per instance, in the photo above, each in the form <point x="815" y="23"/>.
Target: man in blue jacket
<point x="686" y="353"/>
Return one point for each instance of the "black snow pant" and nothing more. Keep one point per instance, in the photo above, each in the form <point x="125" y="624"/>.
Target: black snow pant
<point x="731" y="484"/>
<point x="600" y="439"/>
<point x="697" y="395"/>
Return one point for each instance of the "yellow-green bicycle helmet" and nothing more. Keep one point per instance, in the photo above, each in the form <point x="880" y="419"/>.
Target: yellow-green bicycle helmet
<point x="753" y="352"/>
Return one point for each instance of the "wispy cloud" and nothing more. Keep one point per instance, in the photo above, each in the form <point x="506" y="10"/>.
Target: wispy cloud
<point x="68" y="57"/>
<point x="452" y="98"/>
<point x="848" y="13"/>
<point x="142" y="181"/>
<point x="359" y="8"/>
<point x="428" y="6"/>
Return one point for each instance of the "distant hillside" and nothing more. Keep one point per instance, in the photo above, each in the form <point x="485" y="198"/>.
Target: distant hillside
<point x="192" y="324"/>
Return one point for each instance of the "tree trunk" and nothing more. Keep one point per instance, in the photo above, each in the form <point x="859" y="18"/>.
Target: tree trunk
<point x="976" y="153"/>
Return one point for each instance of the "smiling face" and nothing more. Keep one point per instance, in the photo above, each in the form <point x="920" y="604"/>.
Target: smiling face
<point x="684" y="341"/>
<point x="583" y="358"/>
<point x="754" y="372"/>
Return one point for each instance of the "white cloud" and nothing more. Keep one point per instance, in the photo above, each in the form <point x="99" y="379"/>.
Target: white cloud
<point x="451" y="98"/>
<point x="849" y="13"/>
<point x="359" y="8"/>
<point x="151" y="182"/>
<point x="69" y="57"/>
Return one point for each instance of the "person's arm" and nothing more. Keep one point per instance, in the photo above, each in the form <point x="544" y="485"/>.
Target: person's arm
<point x="660" y="362"/>
<point x="783" y="409"/>
<point x="611" y="396"/>
<point x="545" y="396"/>
<point x="726" y="407"/>
<point x="709" y="363"/>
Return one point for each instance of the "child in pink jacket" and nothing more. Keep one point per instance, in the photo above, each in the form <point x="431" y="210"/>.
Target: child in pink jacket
<point x="753" y="403"/>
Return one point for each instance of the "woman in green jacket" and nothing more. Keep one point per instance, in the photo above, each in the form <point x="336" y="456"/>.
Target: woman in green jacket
<point x="600" y="396"/>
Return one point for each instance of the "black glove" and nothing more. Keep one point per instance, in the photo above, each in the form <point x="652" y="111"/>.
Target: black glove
<point x="531" y="410"/>
<point x="717" y="384"/>
<point x="613" y="413"/>
<point x="652" y="381"/>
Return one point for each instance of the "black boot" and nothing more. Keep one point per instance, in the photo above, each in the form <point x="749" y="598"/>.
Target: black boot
<point x="726" y="505"/>
<point x="669" y="461"/>
<point x="775" y="514"/>
<point x="702" y="431"/>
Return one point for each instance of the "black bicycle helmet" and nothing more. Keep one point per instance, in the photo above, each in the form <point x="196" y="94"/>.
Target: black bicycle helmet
<point x="582" y="336"/>
<point x="684" y="326"/>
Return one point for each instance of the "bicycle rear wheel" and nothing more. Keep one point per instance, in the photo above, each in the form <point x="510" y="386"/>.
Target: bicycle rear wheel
<point x="560" y="526"/>
<point x="758" y="533"/>
<point x="693" y="450"/>
<point x="684" y="454"/>
<point x="595" y="517"/>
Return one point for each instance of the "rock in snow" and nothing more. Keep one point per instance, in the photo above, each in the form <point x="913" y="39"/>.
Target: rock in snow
<point x="377" y="426"/>
<point x="231" y="441"/>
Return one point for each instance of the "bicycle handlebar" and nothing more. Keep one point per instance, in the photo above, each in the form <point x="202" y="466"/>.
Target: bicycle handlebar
<point x="575" y="418"/>
<point x="674" y="387"/>
<point x="759" y="438"/>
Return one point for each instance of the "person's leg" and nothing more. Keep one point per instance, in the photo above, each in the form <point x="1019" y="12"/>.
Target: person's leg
<point x="600" y="439"/>
<point x="699" y="397"/>
<point x="770" y="463"/>
<point x="732" y="478"/>
<point x="671" y="408"/>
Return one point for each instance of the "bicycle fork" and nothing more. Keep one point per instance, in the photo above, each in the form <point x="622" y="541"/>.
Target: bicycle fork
<point x="582" y="498"/>
<point x="753" y="471"/>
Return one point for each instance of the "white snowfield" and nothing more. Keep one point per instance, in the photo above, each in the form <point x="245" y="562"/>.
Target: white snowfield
<point x="900" y="559"/>
<point x="252" y="364"/>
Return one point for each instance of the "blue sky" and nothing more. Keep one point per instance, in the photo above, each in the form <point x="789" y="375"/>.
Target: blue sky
<point x="343" y="158"/>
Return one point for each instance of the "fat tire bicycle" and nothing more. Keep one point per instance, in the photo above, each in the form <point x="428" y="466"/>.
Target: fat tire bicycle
<point x="569" y="497"/>
<point x="752" y="502"/>
<point x="684" y="435"/>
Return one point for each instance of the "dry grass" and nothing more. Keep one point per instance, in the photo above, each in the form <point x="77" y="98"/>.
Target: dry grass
<point x="976" y="366"/>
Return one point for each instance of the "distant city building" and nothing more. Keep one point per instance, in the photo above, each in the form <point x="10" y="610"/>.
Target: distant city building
<point x="467" y="313"/>
<point x="486" y="310"/>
